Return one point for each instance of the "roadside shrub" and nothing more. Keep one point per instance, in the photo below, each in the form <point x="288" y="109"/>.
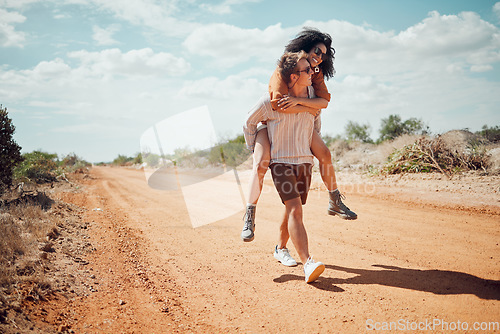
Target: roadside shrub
<point x="492" y="134"/>
<point x="38" y="166"/>
<point x="329" y="140"/>
<point x="72" y="163"/>
<point x="432" y="154"/>
<point x="122" y="160"/>
<point x="10" y="151"/>
<point x="151" y="159"/>
<point x="232" y="152"/>
<point x="137" y="159"/>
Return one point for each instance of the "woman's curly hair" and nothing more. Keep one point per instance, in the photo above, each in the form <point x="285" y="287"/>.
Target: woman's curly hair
<point x="307" y="39"/>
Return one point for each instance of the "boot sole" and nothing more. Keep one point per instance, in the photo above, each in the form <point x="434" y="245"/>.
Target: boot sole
<point x="345" y="217"/>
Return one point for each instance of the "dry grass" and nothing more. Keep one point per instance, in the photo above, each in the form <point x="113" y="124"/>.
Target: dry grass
<point x="435" y="154"/>
<point x="25" y="229"/>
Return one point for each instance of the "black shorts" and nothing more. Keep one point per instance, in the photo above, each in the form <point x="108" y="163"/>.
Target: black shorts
<point x="291" y="180"/>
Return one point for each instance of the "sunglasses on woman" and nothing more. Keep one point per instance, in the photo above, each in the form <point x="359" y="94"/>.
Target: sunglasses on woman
<point x="319" y="52"/>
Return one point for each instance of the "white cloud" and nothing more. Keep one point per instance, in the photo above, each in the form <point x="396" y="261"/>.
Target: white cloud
<point x="8" y="35"/>
<point x="97" y="79"/>
<point x="16" y="3"/>
<point x="51" y="69"/>
<point x="496" y="9"/>
<point x="431" y="45"/>
<point x="143" y="62"/>
<point x="226" y="89"/>
<point x="159" y="15"/>
<point x="104" y="36"/>
<point x="229" y="45"/>
<point x="481" y="68"/>
<point x="225" y="7"/>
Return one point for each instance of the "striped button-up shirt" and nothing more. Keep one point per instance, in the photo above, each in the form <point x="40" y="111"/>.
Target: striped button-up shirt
<point x="290" y="134"/>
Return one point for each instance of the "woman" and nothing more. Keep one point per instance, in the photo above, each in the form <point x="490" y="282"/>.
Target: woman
<point x="320" y="55"/>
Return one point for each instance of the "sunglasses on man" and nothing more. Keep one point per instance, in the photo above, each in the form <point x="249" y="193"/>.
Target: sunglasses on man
<point x="307" y="70"/>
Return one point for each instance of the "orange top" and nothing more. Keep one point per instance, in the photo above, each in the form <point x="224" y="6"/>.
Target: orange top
<point x="278" y="87"/>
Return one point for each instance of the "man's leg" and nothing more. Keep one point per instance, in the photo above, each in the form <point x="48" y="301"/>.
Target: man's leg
<point x="281" y="253"/>
<point x="298" y="234"/>
<point x="284" y="235"/>
<point x="296" y="228"/>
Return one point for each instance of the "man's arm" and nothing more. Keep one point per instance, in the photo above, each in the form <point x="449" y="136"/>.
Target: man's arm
<point x="256" y="115"/>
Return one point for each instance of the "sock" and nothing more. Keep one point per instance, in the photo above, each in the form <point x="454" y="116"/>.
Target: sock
<point x="334" y="191"/>
<point x="250" y="205"/>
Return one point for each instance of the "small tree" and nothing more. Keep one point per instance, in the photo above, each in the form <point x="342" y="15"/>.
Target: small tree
<point x="392" y="127"/>
<point x="355" y="131"/>
<point x="10" y="151"/>
<point x="492" y="134"/>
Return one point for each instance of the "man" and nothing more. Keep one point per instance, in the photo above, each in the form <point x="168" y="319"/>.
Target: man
<point x="291" y="158"/>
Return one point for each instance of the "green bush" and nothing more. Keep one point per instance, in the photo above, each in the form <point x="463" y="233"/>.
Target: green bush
<point x="393" y="127"/>
<point x="122" y="160"/>
<point x="151" y="159"/>
<point x="231" y="153"/>
<point x="329" y="140"/>
<point x="38" y="166"/>
<point x="355" y="131"/>
<point x="10" y="151"/>
<point x="72" y="162"/>
<point x="492" y="134"/>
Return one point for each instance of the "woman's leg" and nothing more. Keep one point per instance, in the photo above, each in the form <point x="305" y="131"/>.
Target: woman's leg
<point x="322" y="153"/>
<point x="261" y="158"/>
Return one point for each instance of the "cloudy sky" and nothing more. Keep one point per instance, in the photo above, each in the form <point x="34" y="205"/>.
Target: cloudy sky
<point x="91" y="76"/>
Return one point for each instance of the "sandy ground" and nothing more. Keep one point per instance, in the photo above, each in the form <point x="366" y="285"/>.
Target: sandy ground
<point x="424" y="253"/>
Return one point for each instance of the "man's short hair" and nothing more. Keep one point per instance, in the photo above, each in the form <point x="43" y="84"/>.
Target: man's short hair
<point x="288" y="64"/>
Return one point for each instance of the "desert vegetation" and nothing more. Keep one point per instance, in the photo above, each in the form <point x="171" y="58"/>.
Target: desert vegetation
<point x="28" y="222"/>
<point x="403" y="146"/>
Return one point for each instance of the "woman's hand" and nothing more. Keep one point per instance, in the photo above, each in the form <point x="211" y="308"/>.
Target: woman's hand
<point x="287" y="101"/>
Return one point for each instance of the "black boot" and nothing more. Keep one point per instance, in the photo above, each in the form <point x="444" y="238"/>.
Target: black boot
<point x="336" y="207"/>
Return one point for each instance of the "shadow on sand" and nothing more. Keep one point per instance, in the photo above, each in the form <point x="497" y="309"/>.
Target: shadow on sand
<point x="440" y="282"/>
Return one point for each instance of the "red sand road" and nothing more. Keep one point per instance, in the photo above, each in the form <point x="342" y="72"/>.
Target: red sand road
<point x="406" y="260"/>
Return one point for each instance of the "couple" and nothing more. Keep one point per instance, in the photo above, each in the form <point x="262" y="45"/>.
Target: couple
<point x="291" y="130"/>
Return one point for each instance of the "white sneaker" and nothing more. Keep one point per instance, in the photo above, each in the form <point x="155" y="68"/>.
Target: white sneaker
<point x="312" y="270"/>
<point x="284" y="257"/>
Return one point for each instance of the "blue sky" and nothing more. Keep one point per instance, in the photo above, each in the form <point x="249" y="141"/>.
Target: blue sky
<point x="91" y="76"/>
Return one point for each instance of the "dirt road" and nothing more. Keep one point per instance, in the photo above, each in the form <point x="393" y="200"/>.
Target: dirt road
<point x="406" y="260"/>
